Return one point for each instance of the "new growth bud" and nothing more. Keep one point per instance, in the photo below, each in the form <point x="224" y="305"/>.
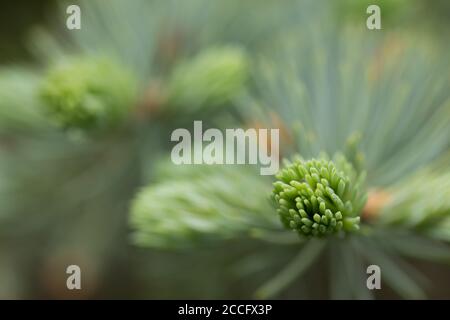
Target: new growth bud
<point x="87" y="92"/>
<point x="209" y="80"/>
<point x="318" y="197"/>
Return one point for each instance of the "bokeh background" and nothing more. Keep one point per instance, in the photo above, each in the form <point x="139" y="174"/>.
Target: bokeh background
<point x="70" y="178"/>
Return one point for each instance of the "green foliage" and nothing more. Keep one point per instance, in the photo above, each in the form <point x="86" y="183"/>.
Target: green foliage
<point x="88" y="92"/>
<point x="421" y="203"/>
<point x="299" y="265"/>
<point x="19" y="108"/>
<point x="194" y="206"/>
<point x="317" y="197"/>
<point x="209" y="80"/>
<point x="327" y="88"/>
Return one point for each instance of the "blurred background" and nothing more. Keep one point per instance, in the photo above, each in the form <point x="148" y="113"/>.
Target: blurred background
<point x="85" y="123"/>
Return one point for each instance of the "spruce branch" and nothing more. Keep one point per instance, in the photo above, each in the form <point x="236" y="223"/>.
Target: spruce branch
<point x="321" y="92"/>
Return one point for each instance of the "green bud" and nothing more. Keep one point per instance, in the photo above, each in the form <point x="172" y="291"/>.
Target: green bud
<point x="87" y="93"/>
<point x="336" y="185"/>
<point x="190" y="206"/>
<point x="209" y="80"/>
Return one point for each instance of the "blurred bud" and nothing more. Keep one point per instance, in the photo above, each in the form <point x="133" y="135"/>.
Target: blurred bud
<point x="200" y="205"/>
<point x="421" y="202"/>
<point x="319" y="197"/>
<point x="210" y="80"/>
<point x="88" y="92"/>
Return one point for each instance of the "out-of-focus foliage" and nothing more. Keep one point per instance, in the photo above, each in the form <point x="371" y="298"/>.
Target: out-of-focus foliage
<point x="19" y="110"/>
<point x="422" y="202"/>
<point x="201" y="206"/>
<point x="209" y="80"/>
<point x="150" y="36"/>
<point x="328" y="90"/>
<point x="88" y="92"/>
